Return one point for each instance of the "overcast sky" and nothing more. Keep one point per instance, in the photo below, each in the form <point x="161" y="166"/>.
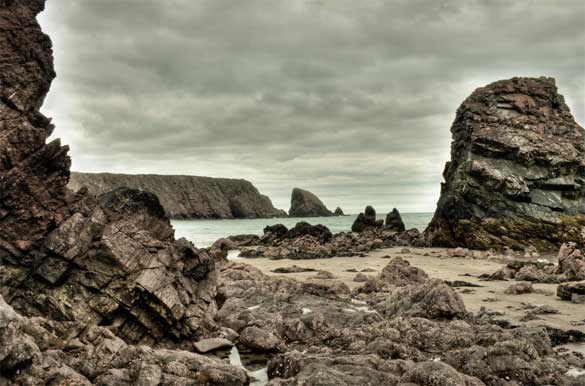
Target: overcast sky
<point x="352" y="100"/>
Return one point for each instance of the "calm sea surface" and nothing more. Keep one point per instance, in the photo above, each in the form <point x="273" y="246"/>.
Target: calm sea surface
<point x="204" y="232"/>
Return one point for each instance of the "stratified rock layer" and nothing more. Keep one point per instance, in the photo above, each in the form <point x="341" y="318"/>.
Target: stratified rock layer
<point x="517" y="170"/>
<point x="186" y="197"/>
<point x="110" y="260"/>
<point x="305" y="204"/>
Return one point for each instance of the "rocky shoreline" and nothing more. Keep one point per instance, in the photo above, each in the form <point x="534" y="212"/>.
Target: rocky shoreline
<point x="96" y="290"/>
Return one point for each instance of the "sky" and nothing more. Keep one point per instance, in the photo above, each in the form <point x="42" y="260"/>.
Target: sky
<point x="350" y="100"/>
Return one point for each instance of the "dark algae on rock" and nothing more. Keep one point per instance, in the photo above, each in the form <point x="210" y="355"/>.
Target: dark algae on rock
<point x="517" y="171"/>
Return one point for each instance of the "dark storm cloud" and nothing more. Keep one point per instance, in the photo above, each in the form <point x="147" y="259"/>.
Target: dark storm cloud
<point x="352" y="100"/>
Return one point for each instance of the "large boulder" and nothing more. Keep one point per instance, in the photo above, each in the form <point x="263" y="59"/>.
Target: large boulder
<point x="517" y="171"/>
<point x="305" y="204"/>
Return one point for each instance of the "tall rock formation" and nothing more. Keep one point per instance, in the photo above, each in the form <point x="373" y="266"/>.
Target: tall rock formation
<point x="366" y="220"/>
<point x="110" y="260"/>
<point x="394" y="221"/>
<point x="517" y="170"/>
<point x="185" y="197"/>
<point x="305" y="204"/>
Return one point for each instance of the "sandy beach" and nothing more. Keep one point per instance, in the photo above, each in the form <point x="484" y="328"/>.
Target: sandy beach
<point x="438" y="264"/>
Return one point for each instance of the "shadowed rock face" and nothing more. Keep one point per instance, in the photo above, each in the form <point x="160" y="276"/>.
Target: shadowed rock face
<point x="110" y="260"/>
<point x="187" y="196"/>
<point x="517" y="170"/>
<point x="305" y="204"/>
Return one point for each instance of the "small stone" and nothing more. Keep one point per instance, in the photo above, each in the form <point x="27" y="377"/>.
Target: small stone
<point x="212" y="344"/>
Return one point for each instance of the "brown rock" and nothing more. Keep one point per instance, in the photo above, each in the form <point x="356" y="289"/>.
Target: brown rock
<point x="259" y="339"/>
<point x="513" y="179"/>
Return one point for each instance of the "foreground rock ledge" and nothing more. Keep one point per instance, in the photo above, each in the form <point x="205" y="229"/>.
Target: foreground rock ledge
<point x="517" y="171"/>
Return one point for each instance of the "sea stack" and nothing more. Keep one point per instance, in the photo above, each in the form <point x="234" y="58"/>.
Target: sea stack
<point x="366" y="220"/>
<point x="305" y="204"/>
<point x="338" y="212"/>
<point x="394" y="221"/>
<point x="517" y="171"/>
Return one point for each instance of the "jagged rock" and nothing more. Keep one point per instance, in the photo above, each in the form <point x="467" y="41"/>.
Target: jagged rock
<point x="37" y="351"/>
<point x="433" y="299"/>
<point x="438" y="374"/>
<point x="320" y="232"/>
<point x="571" y="262"/>
<point x="338" y="212"/>
<point x="109" y="260"/>
<point x="519" y="289"/>
<point x="571" y="291"/>
<point x="259" y="339"/>
<point x="515" y="176"/>
<point x="275" y="231"/>
<point x="394" y="221"/>
<point x="185" y="197"/>
<point x="366" y="220"/>
<point x="305" y="204"/>
<point x="397" y="273"/>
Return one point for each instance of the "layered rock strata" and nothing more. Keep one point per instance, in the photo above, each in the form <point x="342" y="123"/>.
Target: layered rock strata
<point x="110" y="260"/>
<point x="187" y="197"/>
<point x="517" y="171"/>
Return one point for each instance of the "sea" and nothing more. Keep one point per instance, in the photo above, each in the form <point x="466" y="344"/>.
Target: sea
<point x="204" y="232"/>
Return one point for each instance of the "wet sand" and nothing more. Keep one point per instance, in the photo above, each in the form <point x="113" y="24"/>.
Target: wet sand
<point x="437" y="264"/>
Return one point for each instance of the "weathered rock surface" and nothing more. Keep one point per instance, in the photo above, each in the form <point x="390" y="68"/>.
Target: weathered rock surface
<point x="573" y="291"/>
<point x="305" y="204"/>
<point x="38" y="351"/>
<point x="185" y="197"/>
<point x="394" y="221"/>
<point x="366" y="220"/>
<point x="110" y="260"/>
<point x="420" y="334"/>
<point x="517" y="171"/>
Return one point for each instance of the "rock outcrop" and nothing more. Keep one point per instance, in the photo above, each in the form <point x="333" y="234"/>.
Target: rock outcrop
<point x="186" y="197"/>
<point x="110" y="260"/>
<point x="366" y="220"/>
<point x="338" y="212"/>
<point x="517" y="171"/>
<point x="394" y="221"/>
<point x="305" y="204"/>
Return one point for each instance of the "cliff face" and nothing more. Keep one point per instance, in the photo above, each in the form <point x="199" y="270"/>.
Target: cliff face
<point x="517" y="170"/>
<point x="110" y="260"/>
<point x="305" y="204"/>
<point x="187" y="196"/>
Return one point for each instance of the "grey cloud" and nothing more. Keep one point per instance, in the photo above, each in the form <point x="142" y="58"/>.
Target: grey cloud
<point x="353" y="100"/>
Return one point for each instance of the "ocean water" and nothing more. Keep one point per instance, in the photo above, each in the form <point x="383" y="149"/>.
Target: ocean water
<point x="204" y="232"/>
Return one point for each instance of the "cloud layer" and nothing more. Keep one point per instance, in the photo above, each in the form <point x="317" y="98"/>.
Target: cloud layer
<point x="351" y="100"/>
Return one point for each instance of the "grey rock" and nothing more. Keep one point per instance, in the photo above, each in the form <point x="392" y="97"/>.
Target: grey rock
<point x="394" y="221"/>
<point x="185" y="197"/>
<point x="515" y="176"/>
<point x="305" y="204"/>
<point x="211" y="344"/>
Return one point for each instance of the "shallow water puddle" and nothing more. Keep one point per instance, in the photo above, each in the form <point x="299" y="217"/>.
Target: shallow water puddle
<point x="258" y="377"/>
<point x="233" y="254"/>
